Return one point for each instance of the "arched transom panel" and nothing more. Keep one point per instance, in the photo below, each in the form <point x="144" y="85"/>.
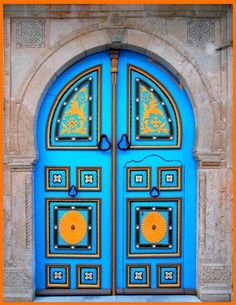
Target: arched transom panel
<point x="154" y="120"/>
<point x="74" y="119"/>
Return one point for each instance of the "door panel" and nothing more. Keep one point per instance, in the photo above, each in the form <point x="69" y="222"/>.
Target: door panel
<point x="156" y="211"/>
<point x="75" y="197"/>
<point x="150" y="240"/>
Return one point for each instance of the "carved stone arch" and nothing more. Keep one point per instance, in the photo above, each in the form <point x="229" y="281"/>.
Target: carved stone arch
<point x="214" y="265"/>
<point x="158" y="46"/>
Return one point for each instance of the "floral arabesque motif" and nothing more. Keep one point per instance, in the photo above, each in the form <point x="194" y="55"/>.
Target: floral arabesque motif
<point x="75" y="118"/>
<point x="153" y="119"/>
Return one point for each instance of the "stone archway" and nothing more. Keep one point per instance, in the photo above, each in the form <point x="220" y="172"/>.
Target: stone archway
<point x="213" y="268"/>
<point x="76" y="46"/>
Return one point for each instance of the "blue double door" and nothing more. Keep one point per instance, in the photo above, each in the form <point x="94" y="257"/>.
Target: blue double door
<point x="115" y="180"/>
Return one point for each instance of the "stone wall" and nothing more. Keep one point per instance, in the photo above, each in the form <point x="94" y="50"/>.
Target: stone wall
<point x="194" y="41"/>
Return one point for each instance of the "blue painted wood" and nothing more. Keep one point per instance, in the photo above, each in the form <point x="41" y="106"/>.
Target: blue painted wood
<point x="73" y="159"/>
<point x="153" y="158"/>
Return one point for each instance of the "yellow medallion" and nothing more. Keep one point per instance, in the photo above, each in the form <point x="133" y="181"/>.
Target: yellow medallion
<point x="72" y="227"/>
<point x="153" y="227"/>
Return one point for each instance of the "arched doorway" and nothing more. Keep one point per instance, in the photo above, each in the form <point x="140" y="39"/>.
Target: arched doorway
<point x="115" y="182"/>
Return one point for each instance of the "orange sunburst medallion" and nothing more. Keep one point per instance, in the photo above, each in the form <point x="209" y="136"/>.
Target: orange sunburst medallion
<point x="153" y="227"/>
<point x="72" y="227"/>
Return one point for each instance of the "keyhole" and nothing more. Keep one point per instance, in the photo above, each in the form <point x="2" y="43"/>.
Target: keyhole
<point x="154" y="227"/>
<point x="72" y="227"/>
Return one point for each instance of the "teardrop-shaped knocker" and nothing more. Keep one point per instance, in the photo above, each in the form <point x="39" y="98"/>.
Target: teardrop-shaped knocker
<point x="104" y="144"/>
<point x="154" y="192"/>
<point x="72" y="191"/>
<point x="124" y="143"/>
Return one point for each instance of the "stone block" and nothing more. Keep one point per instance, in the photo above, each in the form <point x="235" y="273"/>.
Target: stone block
<point x="95" y="41"/>
<point x="136" y="38"/>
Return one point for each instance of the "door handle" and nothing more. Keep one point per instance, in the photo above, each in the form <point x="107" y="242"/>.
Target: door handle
<point x="72" y="191"/>
<point x="124" y="143"/>
<point x="154" y="192"/>
<point x="104" y="144"/>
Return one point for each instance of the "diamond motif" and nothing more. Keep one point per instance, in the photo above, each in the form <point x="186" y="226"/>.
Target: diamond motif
<point x="168" y="275"/>
<point x="88" y="178"/>
<point x="57" y="275"/>
<point x="57" y="178"/>
<point x="139" y="178"/>
<point x="169" y="178"/>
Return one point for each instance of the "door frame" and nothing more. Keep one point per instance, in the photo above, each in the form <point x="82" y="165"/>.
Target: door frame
<point x="205" y="109"/>
<point x="113" y="56"/>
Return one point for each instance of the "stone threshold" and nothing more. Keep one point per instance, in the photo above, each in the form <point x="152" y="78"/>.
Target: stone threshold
<point x="119" y="298"/>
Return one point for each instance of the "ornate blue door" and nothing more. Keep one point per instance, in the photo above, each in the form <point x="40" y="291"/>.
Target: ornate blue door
<point x="156" y="211"/>
<point x="115" y="180"/>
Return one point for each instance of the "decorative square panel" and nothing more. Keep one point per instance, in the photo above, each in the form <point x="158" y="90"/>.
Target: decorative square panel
<point x="138" y="178"/>
<point x="30" y="33"/>
<point x="169" y="276"/>
<point x="56" y="178"/>
<point x="153" y="227"/>
<point x="170" y="178"/>
<point x="88" y="276"/>
<point x="89" y="178"/>
<point x="138" y="276"/>
<point x="73" y="227"/>
<point x="58" y="276"/>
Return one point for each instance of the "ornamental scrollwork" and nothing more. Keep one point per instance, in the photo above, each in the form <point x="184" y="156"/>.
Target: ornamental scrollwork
<point x="75" y="118"/>
<point x="153" y="119"/>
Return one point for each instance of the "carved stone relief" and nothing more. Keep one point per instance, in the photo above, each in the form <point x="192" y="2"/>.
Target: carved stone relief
<point x="17" y="278"/>
<point x="116" y="19"/>
<point x="215" y="274"/>
<point x="200" y="32"/>
<point x="30" y="33"/>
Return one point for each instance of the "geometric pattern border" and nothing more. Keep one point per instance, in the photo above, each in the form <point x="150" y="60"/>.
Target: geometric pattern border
<point x="88" y="178"/>
<point x="72" y="227"/>
<point x="169" y="276"/>
<point x="138" y="178"/>
<point x="88" y="276"/>
<point x="58" y="276"/>
<point x="163" y="213"/>
<point x="138" y="276"/>
<point x="57" y="178"/>
<point x="170" y="178"/>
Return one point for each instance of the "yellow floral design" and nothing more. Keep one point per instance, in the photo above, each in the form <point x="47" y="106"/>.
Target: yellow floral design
<point x="76" y="113"/>
<point x="150" y="124"/>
